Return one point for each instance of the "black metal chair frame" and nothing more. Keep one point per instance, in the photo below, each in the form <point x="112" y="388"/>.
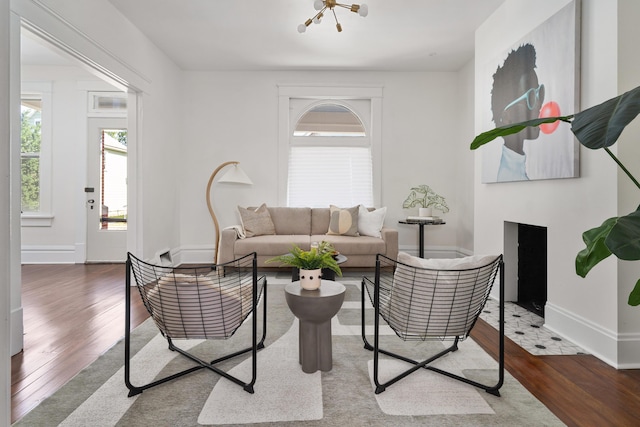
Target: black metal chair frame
<point x="388" y="266"/>
<point x="243" y="270"/>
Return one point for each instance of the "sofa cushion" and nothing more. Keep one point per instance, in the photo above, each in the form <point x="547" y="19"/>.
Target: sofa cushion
<point x="256" y="222"/>
<point x="320" y="220"/>
<point x="360" y="245"/>
<point x="343" y="222"/>
<point x="291" y="220"/>
<point x="271" y="245"/>
<point x="370" y="222"/>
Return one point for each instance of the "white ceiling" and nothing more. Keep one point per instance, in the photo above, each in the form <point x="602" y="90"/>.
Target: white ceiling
<point x="397" y="35"/>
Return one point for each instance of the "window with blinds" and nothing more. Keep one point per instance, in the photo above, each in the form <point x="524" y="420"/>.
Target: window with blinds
<point x="330" y="159"/>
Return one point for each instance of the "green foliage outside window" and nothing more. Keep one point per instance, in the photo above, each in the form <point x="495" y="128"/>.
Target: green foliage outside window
<point x="31" y="137"/>
<point x="119" y="135"/>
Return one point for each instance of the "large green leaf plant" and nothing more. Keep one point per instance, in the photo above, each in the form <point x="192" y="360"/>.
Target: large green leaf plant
<point x="309" y="260"/>
<point x="598" y="127"/>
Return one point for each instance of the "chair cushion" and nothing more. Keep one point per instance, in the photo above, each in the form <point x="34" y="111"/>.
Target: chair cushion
<point x="425" y="300"/>
<point x="186" y="306"/>
<point x="464" y="263"/>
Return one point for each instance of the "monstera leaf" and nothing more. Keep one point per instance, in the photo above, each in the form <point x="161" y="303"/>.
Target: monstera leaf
<point x="490" y="135"/>
<point x="618" y="235"/>
<point x="601" y="126"/>
<point x="597" y="127"/>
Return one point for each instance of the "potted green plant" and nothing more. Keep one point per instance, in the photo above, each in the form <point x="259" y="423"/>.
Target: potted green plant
<point x="597" y="127"/>
<point x="426" y="199"/>
<point x="310" y="263"/>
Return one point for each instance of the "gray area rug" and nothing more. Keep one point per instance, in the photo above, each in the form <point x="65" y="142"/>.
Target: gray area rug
<point x="284" y="395"/>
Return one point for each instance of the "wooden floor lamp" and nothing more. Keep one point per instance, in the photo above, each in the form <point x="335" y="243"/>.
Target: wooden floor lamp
<point x="234" y="175"/>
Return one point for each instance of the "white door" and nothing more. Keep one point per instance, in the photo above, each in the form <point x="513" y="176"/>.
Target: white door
<point x="106" y="191"/>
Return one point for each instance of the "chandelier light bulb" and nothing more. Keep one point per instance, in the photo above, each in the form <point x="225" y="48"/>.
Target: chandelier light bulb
<point x="331" y="5"/>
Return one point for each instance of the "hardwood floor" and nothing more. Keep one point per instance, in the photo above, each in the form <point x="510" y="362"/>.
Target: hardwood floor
<point x="74" y="313"/>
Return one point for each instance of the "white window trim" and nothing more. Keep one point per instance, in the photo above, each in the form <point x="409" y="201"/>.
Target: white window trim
<point x="44" y="217"/>
<point x="286" y="92"/>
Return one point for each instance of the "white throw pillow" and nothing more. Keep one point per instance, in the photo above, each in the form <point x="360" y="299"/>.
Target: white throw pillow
<point x="370" y="223"/>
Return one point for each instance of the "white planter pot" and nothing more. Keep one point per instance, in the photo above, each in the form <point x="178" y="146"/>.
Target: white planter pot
<point x="310" y="279"/>
<point x="424" y="211"/>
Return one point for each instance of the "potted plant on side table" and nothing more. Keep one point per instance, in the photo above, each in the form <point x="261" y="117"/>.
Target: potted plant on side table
<point x="310" y="263"/>
<point x="426" y="199"/>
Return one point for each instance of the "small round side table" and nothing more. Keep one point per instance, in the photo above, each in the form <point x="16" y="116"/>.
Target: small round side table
<point x="314" y="310"/>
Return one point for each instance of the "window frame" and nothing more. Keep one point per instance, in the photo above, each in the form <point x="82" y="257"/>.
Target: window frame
<point x="336" y="94"/>
<point x="44" y="216"/>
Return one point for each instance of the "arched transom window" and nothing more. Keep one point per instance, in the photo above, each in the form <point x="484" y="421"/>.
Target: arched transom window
<point x="330" y="156"/>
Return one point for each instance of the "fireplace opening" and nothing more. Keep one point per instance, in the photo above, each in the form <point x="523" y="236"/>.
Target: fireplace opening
<point x="532" y="268"/>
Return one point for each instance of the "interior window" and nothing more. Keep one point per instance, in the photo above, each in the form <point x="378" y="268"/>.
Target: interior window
<point x="330" y="160"/>
<point x="30" y="147"/>
<point x="35" y="154"/>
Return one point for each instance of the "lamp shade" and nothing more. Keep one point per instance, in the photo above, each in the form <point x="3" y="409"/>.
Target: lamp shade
<point x="235" y="175"/>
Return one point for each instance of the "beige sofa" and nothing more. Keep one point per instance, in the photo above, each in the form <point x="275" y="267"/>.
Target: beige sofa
<point x="301" y="226"/>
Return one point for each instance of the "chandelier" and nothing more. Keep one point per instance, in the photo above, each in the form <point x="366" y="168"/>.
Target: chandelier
<point x="322" y="5"/>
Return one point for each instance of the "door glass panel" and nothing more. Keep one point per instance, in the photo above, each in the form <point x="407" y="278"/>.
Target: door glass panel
<point x="113" y="179"/>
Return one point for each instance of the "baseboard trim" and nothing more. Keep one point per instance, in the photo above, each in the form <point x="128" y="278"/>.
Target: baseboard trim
<point x="621" y="351"/>
<point x="16" y="343"/>
<point x="48" y="255"/>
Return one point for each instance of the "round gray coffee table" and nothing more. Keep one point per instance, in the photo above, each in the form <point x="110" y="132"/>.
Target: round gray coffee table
<point x="314" y="310"/>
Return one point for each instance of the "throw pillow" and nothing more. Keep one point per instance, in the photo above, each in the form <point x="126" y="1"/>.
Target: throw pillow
<point x="370" y="223"/>
<point x="258" y="222"/>
<point x="343" y="222"/>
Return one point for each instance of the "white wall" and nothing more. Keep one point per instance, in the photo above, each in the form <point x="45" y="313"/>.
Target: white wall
<point x="628" y="194"/>
<point x="464" y="158"/>
<point x="5" y="306"/>
<point x="584" y="310"/>
<point x="234" y="116"/>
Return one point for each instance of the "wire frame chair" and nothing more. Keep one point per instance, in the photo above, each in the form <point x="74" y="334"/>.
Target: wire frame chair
<point x="209" y="303"/>
<point x="427" y="304"/>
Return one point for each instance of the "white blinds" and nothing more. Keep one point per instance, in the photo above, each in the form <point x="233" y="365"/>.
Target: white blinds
<point x="320" y="176"/>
